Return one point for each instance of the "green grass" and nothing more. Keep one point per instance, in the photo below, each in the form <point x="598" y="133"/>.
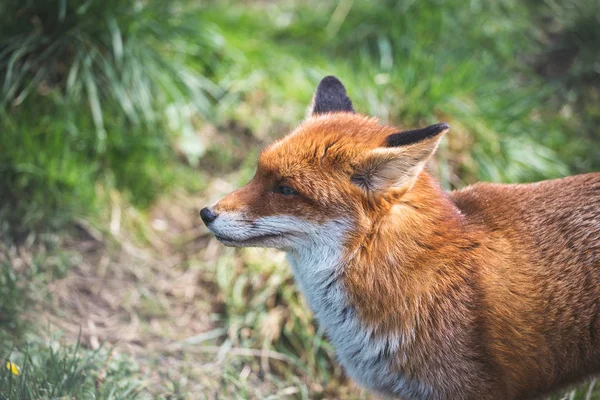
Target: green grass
<point x="106" y="106"/>
<point x="103" y="89"/>
<point x="51" y="370"/>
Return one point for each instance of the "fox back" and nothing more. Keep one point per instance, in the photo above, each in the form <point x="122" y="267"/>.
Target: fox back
<point x="490" y="292"/>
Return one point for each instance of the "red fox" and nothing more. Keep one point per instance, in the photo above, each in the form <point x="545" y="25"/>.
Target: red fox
<point x="489" y="292"/>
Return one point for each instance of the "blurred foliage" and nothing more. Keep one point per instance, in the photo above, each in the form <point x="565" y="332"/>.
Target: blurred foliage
<point x="92" y="90"/>
<point x="568" y="57"/>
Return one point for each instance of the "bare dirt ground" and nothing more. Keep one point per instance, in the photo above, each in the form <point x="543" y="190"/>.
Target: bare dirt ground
<point x="141" y="299"/>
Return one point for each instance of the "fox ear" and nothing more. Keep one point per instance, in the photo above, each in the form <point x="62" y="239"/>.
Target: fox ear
<point x="331" y="97"/>
<point x="400" y="161"/>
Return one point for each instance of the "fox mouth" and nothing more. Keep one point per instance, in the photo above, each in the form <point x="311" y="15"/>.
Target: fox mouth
<point x="248" y="242"/>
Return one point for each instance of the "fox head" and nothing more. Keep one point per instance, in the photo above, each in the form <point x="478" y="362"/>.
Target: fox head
<point x="335" y="173"/>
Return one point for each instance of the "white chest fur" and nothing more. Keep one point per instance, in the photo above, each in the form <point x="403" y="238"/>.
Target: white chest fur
<point x="366" y="358"/>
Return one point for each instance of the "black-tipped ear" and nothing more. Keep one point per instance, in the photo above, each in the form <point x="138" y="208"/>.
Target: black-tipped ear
<point x="416" y="135"/>
<point x="400" y="161"/>
<point x="331" y="97"/>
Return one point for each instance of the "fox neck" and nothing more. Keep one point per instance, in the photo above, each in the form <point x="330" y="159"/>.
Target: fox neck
<point x="368" y="276"/>
<point x="358" y="288"/>
<point x="317" y="267"/>
<point x="401" y="256"/>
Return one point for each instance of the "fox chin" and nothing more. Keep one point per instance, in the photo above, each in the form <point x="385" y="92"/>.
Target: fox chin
<point x="489" y="292"/>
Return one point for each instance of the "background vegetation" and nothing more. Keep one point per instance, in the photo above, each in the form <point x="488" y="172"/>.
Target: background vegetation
<point x="119" y="119"/>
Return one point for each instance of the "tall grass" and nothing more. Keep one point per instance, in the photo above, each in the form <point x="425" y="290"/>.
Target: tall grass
<point x="94" y="90"/>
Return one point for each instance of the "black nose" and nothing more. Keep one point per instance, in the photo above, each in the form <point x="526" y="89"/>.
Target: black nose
<point x="207" y="215"/>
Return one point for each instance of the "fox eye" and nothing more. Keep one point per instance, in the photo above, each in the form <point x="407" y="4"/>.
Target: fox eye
<point x="285" y="190"/>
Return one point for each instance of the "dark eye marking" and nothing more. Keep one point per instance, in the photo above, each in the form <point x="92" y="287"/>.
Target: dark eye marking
<point x="285" y="190"/>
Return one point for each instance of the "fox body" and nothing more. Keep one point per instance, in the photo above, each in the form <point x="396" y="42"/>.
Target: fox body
<point x="490" y="292"/>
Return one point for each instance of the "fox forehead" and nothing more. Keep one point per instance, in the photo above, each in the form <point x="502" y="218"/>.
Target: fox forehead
<point x="329" y="143"/>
